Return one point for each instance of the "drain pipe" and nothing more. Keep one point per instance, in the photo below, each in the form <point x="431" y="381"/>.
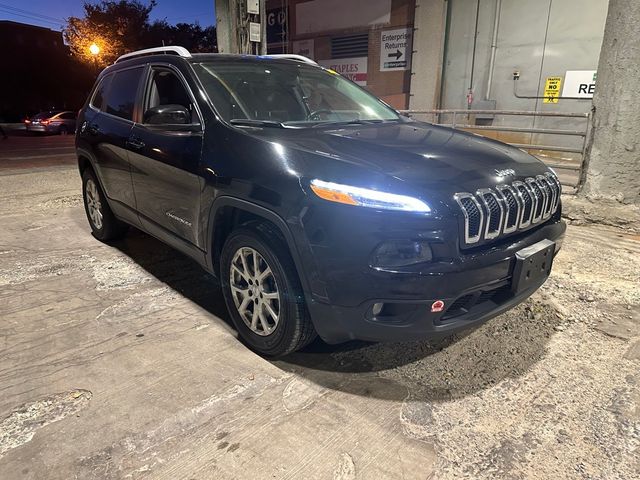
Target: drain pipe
<point x="473" y="58"/>
<point x="494" y="46"/>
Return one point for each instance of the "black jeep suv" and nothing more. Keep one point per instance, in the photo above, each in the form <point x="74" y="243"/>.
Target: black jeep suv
<point x="319" y="208"/>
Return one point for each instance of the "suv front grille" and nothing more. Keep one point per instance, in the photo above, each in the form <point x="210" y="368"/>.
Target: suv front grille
<point x="491" y="212"/>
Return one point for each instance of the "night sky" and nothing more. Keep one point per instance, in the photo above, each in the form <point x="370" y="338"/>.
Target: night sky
<point x="52" y="13"/>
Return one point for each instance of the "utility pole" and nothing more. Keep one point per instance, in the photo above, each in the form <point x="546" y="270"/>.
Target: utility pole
<point x="234" y="26"/>
<point x="225" y="26"/>
<point x="613" y="160"/>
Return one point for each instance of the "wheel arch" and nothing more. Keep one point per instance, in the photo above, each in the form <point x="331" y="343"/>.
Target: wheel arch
<point x="85" y="160"/>
<point x="228" y="212"/>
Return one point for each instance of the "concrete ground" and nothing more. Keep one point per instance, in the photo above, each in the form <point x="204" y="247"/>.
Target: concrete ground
<point x="120" y="362"/>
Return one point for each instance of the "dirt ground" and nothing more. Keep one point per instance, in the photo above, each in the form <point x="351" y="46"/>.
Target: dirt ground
<point x="120" y="362"/>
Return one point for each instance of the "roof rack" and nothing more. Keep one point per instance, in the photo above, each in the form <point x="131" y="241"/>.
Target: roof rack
<point x="180" y="51"/>
<point x="291" y="56"/>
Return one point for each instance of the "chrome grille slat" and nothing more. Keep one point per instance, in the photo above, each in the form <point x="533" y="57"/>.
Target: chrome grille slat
<point x="471" y="232"/>
<point x="546" y="194"/>
<point x="527" y="204"/>
<point x="507" y="208"/>
<point x="538" y="200"/>
<point x="494" y="211"/>
<point x="554" y="184"/>
<point x="513" y="207"/>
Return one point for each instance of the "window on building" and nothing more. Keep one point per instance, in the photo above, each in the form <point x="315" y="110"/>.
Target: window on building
<point x="350" y="46"/>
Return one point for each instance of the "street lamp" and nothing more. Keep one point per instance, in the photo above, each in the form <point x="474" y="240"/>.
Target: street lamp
<point x="95" y="50"/>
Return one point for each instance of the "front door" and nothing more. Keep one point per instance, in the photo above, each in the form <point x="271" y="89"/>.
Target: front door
<point x="165" y="158"/>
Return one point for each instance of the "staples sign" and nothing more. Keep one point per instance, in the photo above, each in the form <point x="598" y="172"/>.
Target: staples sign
<point x="355" y="69"/>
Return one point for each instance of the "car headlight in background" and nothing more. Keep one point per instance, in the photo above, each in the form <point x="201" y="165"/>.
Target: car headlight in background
<point x="364" y="197"/>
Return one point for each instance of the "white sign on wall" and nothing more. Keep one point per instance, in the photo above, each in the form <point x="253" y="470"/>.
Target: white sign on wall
<point x="395" y="49"/>
<point x="303" y="47"/>
<point x="355" y="69"/>
<point x="579" y="83"/>
<point x="253" y="6"/>
<point x="254" y="32"/>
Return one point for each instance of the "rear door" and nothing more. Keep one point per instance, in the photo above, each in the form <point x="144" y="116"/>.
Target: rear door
<point x="165" y="158"/>
<point x="107" y="127"/>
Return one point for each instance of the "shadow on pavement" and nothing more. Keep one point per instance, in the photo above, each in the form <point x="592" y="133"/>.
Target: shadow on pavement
<point x="503" y="348"/>
<point x="176" y="270"/>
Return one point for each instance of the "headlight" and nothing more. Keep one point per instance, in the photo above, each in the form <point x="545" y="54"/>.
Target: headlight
<point x="334" y="192"/>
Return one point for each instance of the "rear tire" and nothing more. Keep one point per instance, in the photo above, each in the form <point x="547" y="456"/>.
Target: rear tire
<point x="104" y="225"/>
<point x="263" y="292"/>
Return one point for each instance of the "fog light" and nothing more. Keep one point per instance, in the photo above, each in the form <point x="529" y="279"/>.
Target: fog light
<point x="401" y="253"/>
<point x="377" y="309"/>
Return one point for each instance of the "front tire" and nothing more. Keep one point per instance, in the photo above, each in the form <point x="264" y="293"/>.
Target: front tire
<point x="104" y="225"/>
<point x="263" y="292"/>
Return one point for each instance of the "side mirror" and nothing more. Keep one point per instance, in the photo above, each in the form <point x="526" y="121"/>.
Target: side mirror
<point x="167" y="115"/>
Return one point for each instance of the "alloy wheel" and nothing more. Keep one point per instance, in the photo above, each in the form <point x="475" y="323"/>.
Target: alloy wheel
<point x="255" y="291"/>
<point x="94" y="206"/>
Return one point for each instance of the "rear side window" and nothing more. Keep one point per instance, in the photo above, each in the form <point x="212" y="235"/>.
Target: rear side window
<point x="121" y="97"/>
<point x="68" y="116"/>
<point x="98" y="96"/>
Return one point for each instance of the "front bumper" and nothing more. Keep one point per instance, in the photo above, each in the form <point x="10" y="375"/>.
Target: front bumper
<point x="474" y="285"/>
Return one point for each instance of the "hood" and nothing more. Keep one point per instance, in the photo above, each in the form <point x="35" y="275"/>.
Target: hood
<point x="421" y="154"/>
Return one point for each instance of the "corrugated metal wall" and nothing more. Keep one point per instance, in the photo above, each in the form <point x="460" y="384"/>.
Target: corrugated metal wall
<point x="540" y="39"/>
<point x="573" y="31"/>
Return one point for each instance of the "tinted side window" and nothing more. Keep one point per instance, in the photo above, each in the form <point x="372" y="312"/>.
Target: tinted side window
<point x="122" y="93"/>
<point x="98" y="96"/>
<point x="167" y="89"/>
<point x="68" y="116"/>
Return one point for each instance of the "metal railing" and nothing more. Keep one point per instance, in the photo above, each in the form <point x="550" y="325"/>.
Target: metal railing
<point x="462" y="119"/>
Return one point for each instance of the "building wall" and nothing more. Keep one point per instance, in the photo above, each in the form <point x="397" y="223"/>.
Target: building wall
<point x="350" y="16"/>
<point x="428" y="45"/>
<point x="540" y="39"/>
<point x="37" y="72"/>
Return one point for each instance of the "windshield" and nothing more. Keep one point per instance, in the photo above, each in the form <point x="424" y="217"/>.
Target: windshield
<point x="289" y="93"/>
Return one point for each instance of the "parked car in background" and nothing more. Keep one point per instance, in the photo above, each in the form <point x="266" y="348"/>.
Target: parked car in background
<point x="52" y="121"/>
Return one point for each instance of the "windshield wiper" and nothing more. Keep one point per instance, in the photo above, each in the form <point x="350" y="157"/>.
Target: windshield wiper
<point x="249" y="122"/>
<point x="355" y="121"/>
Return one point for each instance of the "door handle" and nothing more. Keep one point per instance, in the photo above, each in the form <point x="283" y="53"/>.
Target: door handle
<point x="93" y="129"/>
<point x="135" y="143"/>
